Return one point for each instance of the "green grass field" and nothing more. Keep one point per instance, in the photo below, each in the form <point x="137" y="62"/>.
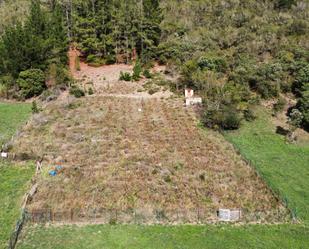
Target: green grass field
<point x="13" y="185"/>
<point x="165" y="237"/>
<point x="13" y="179"/>
<point x="285" y="167"/>
<point x="12" y="116"/>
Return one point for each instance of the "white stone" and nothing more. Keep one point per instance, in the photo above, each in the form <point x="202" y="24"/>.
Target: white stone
<point x="193" y="101"/>
<point x="229" y="215"/>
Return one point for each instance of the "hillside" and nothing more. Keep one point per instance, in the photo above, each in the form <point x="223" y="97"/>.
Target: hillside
<point x="233" y="53"/>
<point x="141" y="156"/>
<point x="119" y="149"/>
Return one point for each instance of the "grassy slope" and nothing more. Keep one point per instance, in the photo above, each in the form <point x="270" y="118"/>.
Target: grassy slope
<point x="13" y="179"/>
<point x="284" y="166"/>
<point x="11" y="117"/>
<point x="156" y="237"/>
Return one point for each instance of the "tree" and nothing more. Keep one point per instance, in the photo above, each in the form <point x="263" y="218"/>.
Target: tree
<point x="31" y="82"/>
<point x="137" y="70"/>
<point x="35" y="44"/>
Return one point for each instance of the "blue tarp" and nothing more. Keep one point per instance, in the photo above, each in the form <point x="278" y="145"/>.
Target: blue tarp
<point x="53" y="172"/>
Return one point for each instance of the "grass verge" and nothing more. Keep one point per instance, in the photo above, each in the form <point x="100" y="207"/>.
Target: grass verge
<point x="283" y="166"/>
<point x="13" y="179"/>
<point x="165" y="237"/>
<point x="13" y="184"/>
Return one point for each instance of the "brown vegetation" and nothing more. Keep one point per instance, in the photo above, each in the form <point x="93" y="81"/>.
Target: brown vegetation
<point x="126" y="153"/>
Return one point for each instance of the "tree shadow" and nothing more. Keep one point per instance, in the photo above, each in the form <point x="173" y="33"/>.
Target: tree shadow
<point x="282" y="131"/>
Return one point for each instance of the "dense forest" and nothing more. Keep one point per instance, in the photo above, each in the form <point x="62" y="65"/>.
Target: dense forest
<point x="233" y="53"/>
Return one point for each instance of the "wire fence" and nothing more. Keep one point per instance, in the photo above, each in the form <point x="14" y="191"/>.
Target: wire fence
<point x="22" y="219"/>
<point x="15" y="234"/>
<point x="129" y="216"/>
<point x="148" y="216"/>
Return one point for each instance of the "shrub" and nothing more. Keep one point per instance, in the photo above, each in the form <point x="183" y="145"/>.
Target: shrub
<point x="137" y="70"/>
<point x="152" y="91"/>
<point x="3" y="90"/>
<point x="56" y="75"/>
<point x="303" y="105"/>
<point x="77" y="92"/>
<point x="217" y="64"/>
<point x="231" y="120"/>
<point x="249" y="114"/>
<point x="226" y="119"/>
<point x="125" y="76"/>
<point x="34" y="107"/>
<point x="301" y="78"/>
<point x="77" y="63"/>
<point x="94" y="61"/>
<point x="90" y="91"/>
<point x="6" y="83"/>
<point x="91" y="58"/>
<point x="279" y="105"/>
<point x="31" y="82"/>
<point x="110" y="59"/>
<point x="298" y="27"/>
<point x="266" y="80"/>
<point x="295" y="119"/>
<point x="147" y="74"/>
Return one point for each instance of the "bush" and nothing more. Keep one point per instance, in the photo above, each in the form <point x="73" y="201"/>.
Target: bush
<point x="301" y="79"/>
<point x="231" y="120"/>
<point x="295" y="119"/>
<point x="147" y="74"/>
<point x="77" y="92"/>
<point x="226" y="119"/>
<point x="6" y="83"/>
<point x="125" y="76"/>
<point x="110" y="59"/>
<point x="303" y="106"/>
<point x="34" y="107"/>
<point x="279" y="105"/>
<point x="31" y="82"/>
<point x="90" y="91"/>
<point x="137" y="70"/>
<point x="298" y="27"/>
<point x="94" y="61"/>
<point x="3" y="90"/>
<point x="249" y="114"/>
<point x="77" y="63"/>
<point x="266" y="80"/>
<point x="91" y="58"/>
<point x="217" y="64"/>
<point x="57" y="75"/>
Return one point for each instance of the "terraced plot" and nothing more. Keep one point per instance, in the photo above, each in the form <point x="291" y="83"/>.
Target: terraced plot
<point x="141" y="157"/>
